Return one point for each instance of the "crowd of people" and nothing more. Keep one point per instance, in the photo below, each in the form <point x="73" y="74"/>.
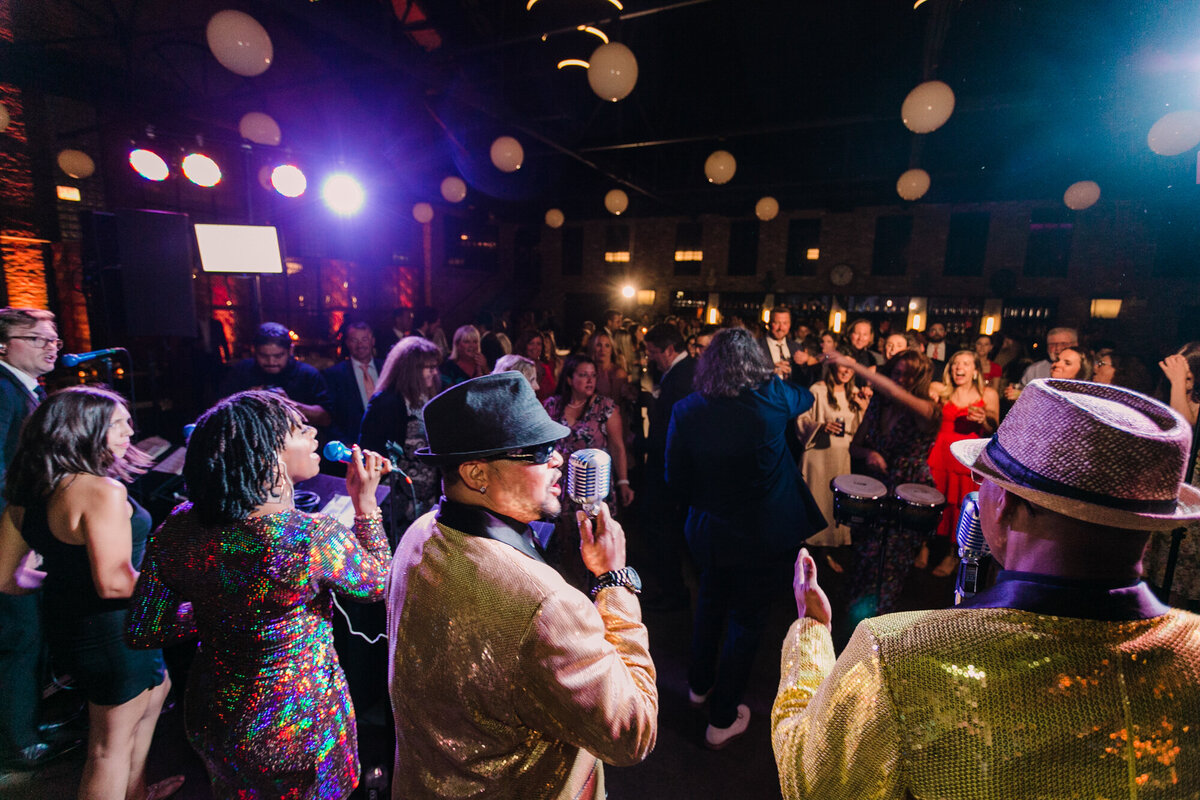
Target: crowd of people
<point x="730" y="446"/>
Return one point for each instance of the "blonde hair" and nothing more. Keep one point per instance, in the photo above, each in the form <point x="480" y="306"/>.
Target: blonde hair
<point x="948" y="383"/>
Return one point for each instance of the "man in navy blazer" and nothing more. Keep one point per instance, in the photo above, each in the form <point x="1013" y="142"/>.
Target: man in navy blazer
<point x="352" y="381"/>
<point x="29" y="346"/>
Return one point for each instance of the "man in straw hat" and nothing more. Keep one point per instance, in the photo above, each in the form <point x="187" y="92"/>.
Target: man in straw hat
<point x="1068" y="678"/>
<point x="506" y="682"/>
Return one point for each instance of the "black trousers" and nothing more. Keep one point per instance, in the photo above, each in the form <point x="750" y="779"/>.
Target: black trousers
<point x="20" y="662"/>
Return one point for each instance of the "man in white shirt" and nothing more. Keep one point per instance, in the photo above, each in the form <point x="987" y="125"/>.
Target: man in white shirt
<point x="1057" y="340"/>
<point x="936" y="349"/>
<point x="353" y="381"/>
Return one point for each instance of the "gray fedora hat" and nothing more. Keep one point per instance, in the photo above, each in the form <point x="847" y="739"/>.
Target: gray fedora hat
<point x="1093" y="452"/>
<point x="486" y="416"/>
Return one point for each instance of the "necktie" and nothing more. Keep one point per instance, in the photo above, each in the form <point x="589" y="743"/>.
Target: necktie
<point x="368" y="382"/>
<point x="39" y="393"/>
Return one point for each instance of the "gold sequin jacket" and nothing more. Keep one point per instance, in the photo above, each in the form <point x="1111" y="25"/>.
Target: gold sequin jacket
<point x="991" y="704"/>
<point x="507" y="682"/>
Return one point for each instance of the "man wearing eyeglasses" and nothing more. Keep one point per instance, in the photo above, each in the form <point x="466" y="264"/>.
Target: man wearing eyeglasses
<point x="505" y="680"/>
<point x="29" y="346"/>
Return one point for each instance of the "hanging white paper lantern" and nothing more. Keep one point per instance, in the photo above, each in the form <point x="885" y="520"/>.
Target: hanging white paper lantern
<point x="422" y="212"/>
<point x="264" y="177"/>
<point x="720" y="166"/>
<point x="766" y="209"/>
<point x="1175" y="133"/>
<point x="454" y="189"/>
<point x="616" y="201"/>
<point x="913" y="184"/>
<point x="507" y="154"/>
<point x="555" y="218"/>
<point x="239" y="43"/>
<point x="76" y="163"/>
<point x="927" y="107"/>
<point x="260" y="128"/>
<point x="612" y="71"/>
<point x="4" y="117"/>
<point x="1081" y="195"/>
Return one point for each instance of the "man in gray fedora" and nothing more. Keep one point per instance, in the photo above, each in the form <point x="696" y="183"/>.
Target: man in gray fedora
<point x="1067" y="678"/>
<point x="507" y="682"/>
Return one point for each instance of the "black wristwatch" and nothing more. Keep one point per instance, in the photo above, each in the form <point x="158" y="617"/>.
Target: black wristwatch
<point x="626" y="577"/>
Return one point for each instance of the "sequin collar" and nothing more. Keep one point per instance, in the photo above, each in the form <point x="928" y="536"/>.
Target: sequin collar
<point x="1064" y="597"/>
<point x="478" y="521"/>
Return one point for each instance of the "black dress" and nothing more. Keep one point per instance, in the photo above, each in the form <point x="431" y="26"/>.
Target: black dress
<point x="85" y="631"/>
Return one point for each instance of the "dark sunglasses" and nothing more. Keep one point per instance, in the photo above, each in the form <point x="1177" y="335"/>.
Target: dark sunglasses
<point x="531" y="455"/>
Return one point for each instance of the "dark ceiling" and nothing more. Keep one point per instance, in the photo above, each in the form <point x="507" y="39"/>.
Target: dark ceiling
<point x="805" y="94"/>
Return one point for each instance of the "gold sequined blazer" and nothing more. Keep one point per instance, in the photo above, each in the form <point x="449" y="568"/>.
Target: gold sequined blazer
<point x="507" y="682"/>
<point x="991" y="704"/>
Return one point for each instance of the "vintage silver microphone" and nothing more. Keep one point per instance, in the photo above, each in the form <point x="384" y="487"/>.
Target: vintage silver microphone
<point x="972" y="548"/>
<point x="589" y="478"/>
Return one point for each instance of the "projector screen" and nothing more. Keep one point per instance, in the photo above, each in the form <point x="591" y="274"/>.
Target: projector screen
<point x="239" y="248"/>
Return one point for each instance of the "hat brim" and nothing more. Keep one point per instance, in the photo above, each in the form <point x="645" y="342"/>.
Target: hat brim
<point x="424" y="454"/>
<point x="972" y="454"/>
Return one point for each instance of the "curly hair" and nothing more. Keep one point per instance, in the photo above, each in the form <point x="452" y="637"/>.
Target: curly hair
<point x="68" y="434"/>
<point x="401" y="371"/>
<point x="233" y="456"/>
<point x="733" y="361"/>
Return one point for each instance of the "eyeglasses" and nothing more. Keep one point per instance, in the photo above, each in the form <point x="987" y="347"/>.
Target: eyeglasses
<point x="40" y="342"/>
<point x="532" y="455"/>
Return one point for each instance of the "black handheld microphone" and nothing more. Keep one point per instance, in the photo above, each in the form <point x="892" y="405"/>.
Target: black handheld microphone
<point x="972" y="548"/>
<point x="73" y="359"/>
<point x="589" y="478"/>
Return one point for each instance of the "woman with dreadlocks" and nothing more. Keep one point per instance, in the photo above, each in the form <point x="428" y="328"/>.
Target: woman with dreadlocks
<point x="267" y="705"/>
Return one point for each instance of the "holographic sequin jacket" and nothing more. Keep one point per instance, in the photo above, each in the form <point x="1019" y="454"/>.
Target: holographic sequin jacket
<point x="992" y="704"/>
<point x="267" y="706"/>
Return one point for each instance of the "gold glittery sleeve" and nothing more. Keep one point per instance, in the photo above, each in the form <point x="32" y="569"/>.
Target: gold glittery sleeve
<point x="588" y="675"/>
<point x="833" y="725"/>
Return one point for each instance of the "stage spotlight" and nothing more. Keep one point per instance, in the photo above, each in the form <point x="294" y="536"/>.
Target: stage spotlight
<point x="201" y="170"/>
<point x="343" y="194"/>
<point x="288" y="180"/>
<point x="149" y="165"/>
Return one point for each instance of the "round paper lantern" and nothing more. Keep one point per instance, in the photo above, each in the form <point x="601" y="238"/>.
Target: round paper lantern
<point x="422" y="212"/>
<point x="913" y="184"/>
<point x="239" y="43"/>
<point x="76" y="163"/>
<point x="1081" y="195"/>
<point x="1175" y="133"/>
<point x="264" y="177"/>
<point x="4" y="118"/>
<point x="927" y="107"/>
<point x="720" y="166"/>
<point x="507" y="154"/>
<point x="612" y="71"/>
<point x="454" y="189"/>
<point x="766" y="209"/>
<point x="259" y="128"/>
<point x="616" y="201"/>
<point x="555" y="218"/>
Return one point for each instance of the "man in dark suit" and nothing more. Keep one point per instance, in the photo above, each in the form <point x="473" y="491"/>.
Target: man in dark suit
<point x="352" y="381"/>
<point x="938" y="349"/>
<point x="664" y="514"/>
<point x="780" y="348"/>
<point x="29" y="346"/>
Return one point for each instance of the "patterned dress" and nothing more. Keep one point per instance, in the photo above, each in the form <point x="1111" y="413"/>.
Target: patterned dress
<point x="267" y="706"/>
<point x="587" y="432"/>
<point x="905" y="447"/>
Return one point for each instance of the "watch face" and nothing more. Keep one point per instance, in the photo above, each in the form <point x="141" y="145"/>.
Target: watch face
<point x="635" y="580"/>
<point x="841" y="275"/>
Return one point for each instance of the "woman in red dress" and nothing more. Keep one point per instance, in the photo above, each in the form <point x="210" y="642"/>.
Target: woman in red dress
<point x="970" y="410"/>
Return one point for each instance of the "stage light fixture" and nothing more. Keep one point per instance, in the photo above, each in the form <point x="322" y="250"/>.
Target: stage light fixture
<point x="288" y="180"/>
<point x="201" y="170"/>
<point x="149" y="164"/>
<point x="343" y="194"/>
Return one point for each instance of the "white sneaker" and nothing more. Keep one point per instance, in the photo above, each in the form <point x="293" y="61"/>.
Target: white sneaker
<point x="715" y="738"/>
<point x="697" y="700"/>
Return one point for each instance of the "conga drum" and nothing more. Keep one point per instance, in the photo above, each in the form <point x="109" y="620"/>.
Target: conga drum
<point x="857" y="499"/>
<point x="920" y="507"/>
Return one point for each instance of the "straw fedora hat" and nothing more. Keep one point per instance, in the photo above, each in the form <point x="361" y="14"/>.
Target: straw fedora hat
<point x="1093" y="452"/>
<point x="486" y="416"/>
